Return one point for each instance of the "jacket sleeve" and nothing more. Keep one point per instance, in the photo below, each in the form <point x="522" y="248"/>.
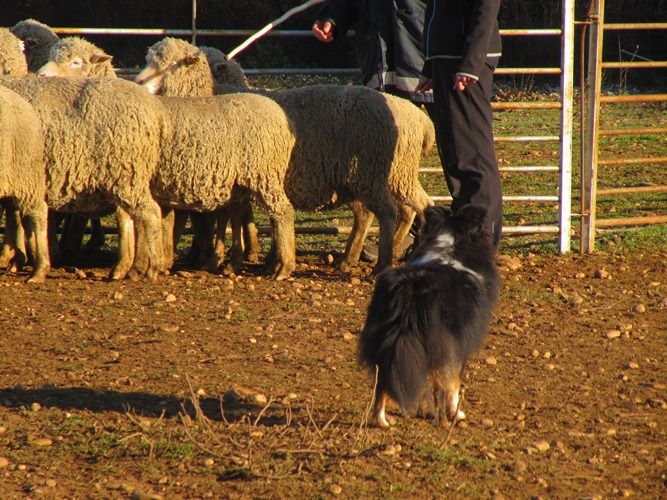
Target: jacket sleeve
<point x="481" y="29"/>
<point x="341" y="13"/>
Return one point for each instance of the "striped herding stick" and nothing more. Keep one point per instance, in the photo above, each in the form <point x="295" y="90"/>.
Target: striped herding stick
<point x="272" y="25"/>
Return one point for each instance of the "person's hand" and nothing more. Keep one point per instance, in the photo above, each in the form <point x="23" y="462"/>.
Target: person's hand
<point x="425" y="84"/>
<point x="323" y="31"/>
<point x="462" y="81"/>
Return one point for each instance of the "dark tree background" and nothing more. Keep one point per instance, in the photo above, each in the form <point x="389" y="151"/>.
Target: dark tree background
<point x="129" y="51"/>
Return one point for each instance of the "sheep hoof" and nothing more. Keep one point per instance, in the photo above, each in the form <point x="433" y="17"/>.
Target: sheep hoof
<point x="252" y="257"/>
<point x="228" y="271"/>
<point x="6" y="259"/>
<point x="152" y="274"/>
<point x="344" y="266"/>
<point x="117" y="274"/>
<point x="283" y="271"/>
<point x="133" y="275"/>
<point x="37" y="277"/>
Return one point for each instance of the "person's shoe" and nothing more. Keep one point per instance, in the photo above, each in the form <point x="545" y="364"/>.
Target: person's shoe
<point x="369" y="253"/>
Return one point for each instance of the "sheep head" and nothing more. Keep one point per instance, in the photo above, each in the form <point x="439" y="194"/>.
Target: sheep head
<point x="225" y="72"/>
<point x="76" y="57"/>
<point x="176" y="68"/>
<point x="38" y="38"/>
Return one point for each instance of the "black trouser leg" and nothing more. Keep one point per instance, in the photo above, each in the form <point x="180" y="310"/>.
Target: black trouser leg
<point x="464" y="132"/>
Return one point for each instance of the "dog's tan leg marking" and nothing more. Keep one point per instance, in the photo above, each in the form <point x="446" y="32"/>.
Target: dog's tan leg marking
<point x="380" y="415"/>
<point x="452" y="393"/>
<point x="438" y="398"/>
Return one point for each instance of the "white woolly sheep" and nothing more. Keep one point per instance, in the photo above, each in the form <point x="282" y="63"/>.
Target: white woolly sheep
<point x="223" y="148"/>
<point x="353" y="145"/>
<point x="76" y="57"/>
<point x="220" y="149"/>
<point x="211" y="250"/>
<point x="22" y="173"/>
<point x="102" y="143"/>
<point x="13" y="253"/>
<point x="38" y="39"/>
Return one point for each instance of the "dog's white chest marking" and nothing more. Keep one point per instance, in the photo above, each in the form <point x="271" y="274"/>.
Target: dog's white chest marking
<point x="443" y="248"/>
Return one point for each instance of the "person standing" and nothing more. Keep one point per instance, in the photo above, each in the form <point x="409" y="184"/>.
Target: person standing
<point x="462" y="48"/>
<point x="389" y="49"/>
<point x="388" y="41"/>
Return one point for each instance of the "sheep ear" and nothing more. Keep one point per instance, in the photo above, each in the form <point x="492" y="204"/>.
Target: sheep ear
<point x="219" y="67"/>
<point x="100" y="58"/>
<point x="30" y="42"/>
<point x="190" y="59"/>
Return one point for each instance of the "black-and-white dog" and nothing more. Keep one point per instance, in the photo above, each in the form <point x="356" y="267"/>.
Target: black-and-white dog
<point x="428" y="316"/>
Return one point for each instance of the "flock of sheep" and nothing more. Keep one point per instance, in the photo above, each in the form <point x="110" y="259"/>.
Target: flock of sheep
<point x="190" y="138"/>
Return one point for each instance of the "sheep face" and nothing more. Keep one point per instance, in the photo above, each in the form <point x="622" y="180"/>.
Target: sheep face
<point x="176" y="68"/>
<point x="75" y="57"/>
<point x="151" y="77"/>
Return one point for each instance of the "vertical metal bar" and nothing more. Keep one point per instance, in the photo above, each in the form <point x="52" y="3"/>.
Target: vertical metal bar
<point x="589" y="165"/>
<point x="194" y="22"/>
<point x="566" y="117"/>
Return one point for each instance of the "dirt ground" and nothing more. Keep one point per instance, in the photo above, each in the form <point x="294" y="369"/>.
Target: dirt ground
<point x="202" y="386"/>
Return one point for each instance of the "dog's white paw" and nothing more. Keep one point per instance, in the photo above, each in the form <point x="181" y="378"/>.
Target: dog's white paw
<point x="460" y="415"/>
<point x="383" y="420"/>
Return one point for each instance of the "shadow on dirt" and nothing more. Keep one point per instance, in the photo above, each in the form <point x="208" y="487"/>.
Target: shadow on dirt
<point x="143" y="404"/>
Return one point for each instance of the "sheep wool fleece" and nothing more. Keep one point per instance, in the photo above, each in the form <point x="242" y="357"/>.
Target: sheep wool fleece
<point x="102" y="141"/>
<point x="22" y="173"/>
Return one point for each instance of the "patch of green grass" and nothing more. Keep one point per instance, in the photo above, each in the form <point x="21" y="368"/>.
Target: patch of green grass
<point x="632" y="239"/>
<point x="174" y="450"/>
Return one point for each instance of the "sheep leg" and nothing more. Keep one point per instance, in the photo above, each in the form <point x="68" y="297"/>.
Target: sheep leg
<point x="355" y="242"/>
<point x="383" y="208"/>
<point x="180" y="220"/>
<point x="7" y="250"/>
<point x="97" y="238"/>
<point x="52" y="232"/>
<point x="282" y="221"/>
<point x="168" y="250"/>
<point x="252" y="248"/>
<point x="14" y="255"/>
<point x="35" y="222"/>
<point x="126" y="242"/>
<point x="148" y="259"/>
<point x="72" y="237"/>
<point x="236" y="252"/>
<point x="217" y="258"/>
<point x="406" y="216"/>
<point x="202" y="238"/>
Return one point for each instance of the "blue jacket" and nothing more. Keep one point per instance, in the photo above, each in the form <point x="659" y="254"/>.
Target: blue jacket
<point x="388" y="36"/>
<point x="462" y="30"/>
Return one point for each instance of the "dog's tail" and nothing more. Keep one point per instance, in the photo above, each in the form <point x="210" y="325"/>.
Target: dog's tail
<point x="391" y="341"/>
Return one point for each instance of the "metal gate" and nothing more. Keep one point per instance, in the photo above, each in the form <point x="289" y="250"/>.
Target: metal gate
<point x="592" y="133"/>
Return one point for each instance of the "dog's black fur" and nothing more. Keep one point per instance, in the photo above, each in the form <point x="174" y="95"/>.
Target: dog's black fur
<point x="428" y="316"/>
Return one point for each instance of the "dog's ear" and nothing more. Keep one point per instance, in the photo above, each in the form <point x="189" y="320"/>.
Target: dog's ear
<point x="472" y="214"/>
<point x="471" y="219"/>
<point x="434" y="214"/>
